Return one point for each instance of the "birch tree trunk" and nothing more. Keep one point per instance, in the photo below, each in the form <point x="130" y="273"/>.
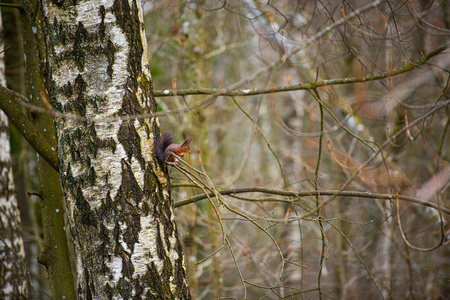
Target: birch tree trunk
<point x="13" y="276"/>
<point x="117" y="196"/>
<point x="13" y="283"/>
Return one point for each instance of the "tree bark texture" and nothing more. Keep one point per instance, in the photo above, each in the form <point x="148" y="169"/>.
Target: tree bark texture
<point x="117" y="196"/>
<point x="13" y="276"/>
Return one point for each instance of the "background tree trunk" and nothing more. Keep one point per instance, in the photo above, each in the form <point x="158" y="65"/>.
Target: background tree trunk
<point x="13" y="275"/>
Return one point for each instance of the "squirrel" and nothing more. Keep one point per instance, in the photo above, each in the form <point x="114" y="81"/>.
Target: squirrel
<point x="164" y="148"/>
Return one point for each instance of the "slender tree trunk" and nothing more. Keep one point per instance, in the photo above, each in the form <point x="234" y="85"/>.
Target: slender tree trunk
<point x="13" y="276"/>
<point x="55" y="254"/>
<point x="118" y="199"/>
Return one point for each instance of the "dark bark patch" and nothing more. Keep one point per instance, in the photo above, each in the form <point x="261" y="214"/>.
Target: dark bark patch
<point x="145" y="209"/>
<point x="90" y="288"/>
<point x="127" y="266"/>
<point x="159" y="244"/>
<point x="102" y="27"/>
<point x="147" y="94"/>
<point x="54" y="101"/>
<point x="149" y="182"/>
<point x="130" y="104"/>
<point x="80" y="84"/>
<point x="84" y="211"/>
<point x="167" y="213"/>
<point x="60" y="32"/>
<point x="67" y="90"/>
<point x="92" y="176"/>
<point x="78" y="52"/>
<point x="153" y="280"/>
<point x="84" y="143"/>
<point x="116" y="235"/>
<point x="78" y="103"/>
<point x="167" y="270"/>
<point x="110" y="53"/>
<point x="131" y="141"/>
<point x="94" y="143"/>
<point x="138" y="288"/>
<point x="125" y="288"/>
<point x="101" y="255"/>
<point x="96" y="102"/>
<point x="109" y="291"/>
<point x="131" y="233"/>
<point x="180" y="273"/>
<point x="103" y="234"/>
<point x="162" y="212"/>
<point x="128" y="20"/>
<point x="72" y="143"/>
<point x="106" y="212"/>
<point x="167" y="240"/>
<point x="69" y="181"/>
<point x="129" y="188"/>
<point x="126" y="205"/>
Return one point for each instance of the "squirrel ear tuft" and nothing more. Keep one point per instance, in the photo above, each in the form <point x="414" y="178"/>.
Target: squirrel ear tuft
<point x="187" y="141"/>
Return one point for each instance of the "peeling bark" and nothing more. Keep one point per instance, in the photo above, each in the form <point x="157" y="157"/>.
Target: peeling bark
<point x="118" y="199"/>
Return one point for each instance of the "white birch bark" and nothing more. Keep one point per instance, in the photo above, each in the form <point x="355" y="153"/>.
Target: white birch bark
<point x="118" y="201"/>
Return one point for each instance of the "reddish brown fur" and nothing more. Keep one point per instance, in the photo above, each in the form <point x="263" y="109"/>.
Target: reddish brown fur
<point x="164" y="147"/>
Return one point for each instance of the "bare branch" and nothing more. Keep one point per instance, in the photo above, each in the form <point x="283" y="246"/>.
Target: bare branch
<point x="25" y="127"/>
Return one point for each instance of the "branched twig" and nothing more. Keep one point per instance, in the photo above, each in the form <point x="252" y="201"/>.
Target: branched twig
<point x="430" y="112"/>
<point x="441" y="222"/>
<point x="197" y="181"/>
<point x="265" y="139"/>
<point x="209" y="190"/>
<point x="358" y="256"/>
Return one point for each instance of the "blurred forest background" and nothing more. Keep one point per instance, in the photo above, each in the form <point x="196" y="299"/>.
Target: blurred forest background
<point x="307" y="117"/>
<point x="350" y="137"/>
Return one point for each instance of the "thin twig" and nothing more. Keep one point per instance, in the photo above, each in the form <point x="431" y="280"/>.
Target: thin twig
<point x="299" y="194"/>
<point x="406" y="240"/>
<point x="303" y="86"/>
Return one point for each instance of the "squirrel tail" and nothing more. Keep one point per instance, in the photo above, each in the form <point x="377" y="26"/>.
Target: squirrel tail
<point x="161" y="144"/>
